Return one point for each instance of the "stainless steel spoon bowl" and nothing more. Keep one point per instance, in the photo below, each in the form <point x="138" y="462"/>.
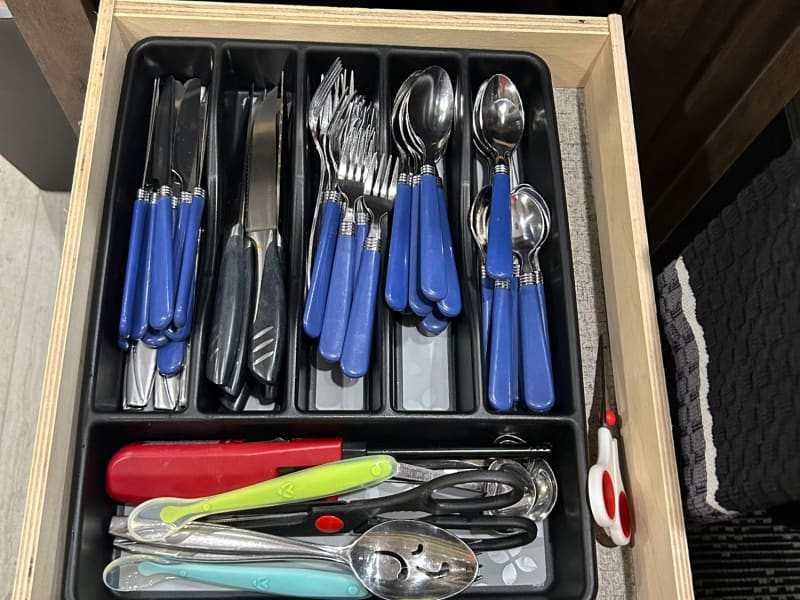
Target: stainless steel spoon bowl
<point x="479" y="218"/>
<point x="546" y="489"/>
<point x="529" y="224"/>
<point x="501" y="116"/>
<point x="525" y="505"/>
<point x="398" y="121"/>
<point x="431" y="102"/>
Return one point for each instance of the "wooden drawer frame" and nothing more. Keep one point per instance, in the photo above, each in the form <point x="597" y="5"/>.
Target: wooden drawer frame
<point x="583" y="53"/>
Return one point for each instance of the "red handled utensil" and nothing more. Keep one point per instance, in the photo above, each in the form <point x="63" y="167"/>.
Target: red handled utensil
<point x="146" y="470"/>
<point x="607" y="496"/>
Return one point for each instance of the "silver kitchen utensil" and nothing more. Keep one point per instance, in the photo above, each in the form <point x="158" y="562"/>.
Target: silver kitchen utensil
<point x="138" y="572"/>
<point x="546" y="489"/>
<point x="501" y="121"/>
<point x="269" y="319"/>
<point x="430" y="105"/>
<point x="395" y="560"/>
<point x="380" y="188"/>
<point x="530" y="224"/>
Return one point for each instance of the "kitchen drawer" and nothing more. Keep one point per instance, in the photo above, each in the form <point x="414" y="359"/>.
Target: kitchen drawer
<point x="585" y="53"/>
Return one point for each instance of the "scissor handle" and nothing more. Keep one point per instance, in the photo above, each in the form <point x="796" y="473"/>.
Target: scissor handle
<point x="423" y="497"/>
<point x="505" y="532"/>
<point x="607" y="497"/>
<point x="359" y="515"/>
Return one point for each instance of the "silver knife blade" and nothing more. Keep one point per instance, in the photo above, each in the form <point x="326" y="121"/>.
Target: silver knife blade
<point x="281" y="115"/>
<point x="162" y="138"/>
<point x="177" y="100"/>
<point x="187" y="133"/>
<point x="201" y="142"/>
<point x="262" y="195"/>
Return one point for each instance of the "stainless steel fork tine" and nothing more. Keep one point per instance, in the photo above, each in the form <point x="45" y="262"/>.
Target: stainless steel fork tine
<point x="387" y="177"/>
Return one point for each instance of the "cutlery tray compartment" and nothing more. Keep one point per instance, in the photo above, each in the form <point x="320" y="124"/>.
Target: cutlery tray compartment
<point x="405" y="364"/>
<point x="419" y="391"/>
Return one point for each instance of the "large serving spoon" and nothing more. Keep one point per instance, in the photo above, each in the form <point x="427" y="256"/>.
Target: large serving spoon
<point x="530" y="225"/>
<point x="501" y="123"/>
<point x="430" y="107"/>
<point x="395" y="560"/>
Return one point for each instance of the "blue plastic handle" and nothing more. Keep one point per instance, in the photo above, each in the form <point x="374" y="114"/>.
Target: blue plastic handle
<point x="184" y="331"/>
<point x="155" y="339"/>
<point x="537" y="369"/>
<point x="500" y="349"/>
<point x="132" y="265"/>
<point x="162" y="280"/>
<point x="487" y="293"/>
<point x="450" y="305"/>
<point x="396" y="292"/>
<point x="314" y="311"/>
<point x="171" y="357"/>
<point x="362" y="229"/>
<point x="432" y="277"/>
<point x="139" y="324"/>
<point x="188" y="260"/>
<point x="340" y="295"/>
<point x="543" y="304"/>
<point x="499" y="260"/>
<point x="434" y="323"/>
<point x="179" y="237"/>
<point x="278" y="581"/>
<point x="515" y="340"/>
<point x="418" y="303"/>
<point x="358" y="340"/>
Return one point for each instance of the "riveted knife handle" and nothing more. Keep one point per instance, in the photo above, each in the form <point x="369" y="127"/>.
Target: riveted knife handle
<point x="268" y="328"/>
<point x="162" y="282"/>
<point x="229" y="308"/>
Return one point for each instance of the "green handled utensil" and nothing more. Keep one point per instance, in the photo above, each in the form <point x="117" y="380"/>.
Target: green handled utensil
<point x="156" y="519"/>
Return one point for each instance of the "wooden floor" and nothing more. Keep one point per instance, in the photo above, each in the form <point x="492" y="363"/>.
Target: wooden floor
<point x="32" y="224"/>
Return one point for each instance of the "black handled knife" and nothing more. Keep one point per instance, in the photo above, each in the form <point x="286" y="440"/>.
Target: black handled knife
<point x="268" y="327"/>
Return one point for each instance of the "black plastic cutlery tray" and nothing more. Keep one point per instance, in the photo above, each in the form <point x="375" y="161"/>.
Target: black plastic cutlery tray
<point x="229" y="69"/>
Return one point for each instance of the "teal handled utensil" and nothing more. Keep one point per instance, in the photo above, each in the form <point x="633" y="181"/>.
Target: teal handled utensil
<point x="136" y="572"/>
<point x="395" y="560"/>
<point x="157" y="518"/>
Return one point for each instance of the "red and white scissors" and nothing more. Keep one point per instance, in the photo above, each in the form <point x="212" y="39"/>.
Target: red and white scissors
<point x="607" y="496"/>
